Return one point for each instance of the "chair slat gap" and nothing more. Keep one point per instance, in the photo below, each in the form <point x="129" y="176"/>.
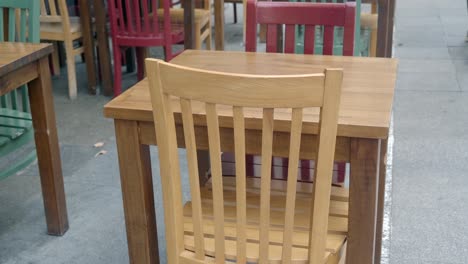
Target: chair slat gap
<point x="14" y="99"/>
<point x="190" y="145"/>
<point x="155" y="17"/>
<point x="294" y="148"/>
<point x="129" y="17"/>
<point x="24" y="98"/>
<point x="217" y="179"/>
<point x="43" y="8"/>
<point x="271" y="38"/>
<point x="309" y="39"/>
<point x="267" y="149"/>
<point x="328" y="40"/>
<point x="122" y="25"/>
<point x="289" y="38"/>
<point x="146" y="12"/>
<point x="239" y="143"/>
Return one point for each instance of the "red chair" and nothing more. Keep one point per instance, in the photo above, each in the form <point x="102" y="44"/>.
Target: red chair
<point x="134" y="23"/>
<point x="314" y="16"/>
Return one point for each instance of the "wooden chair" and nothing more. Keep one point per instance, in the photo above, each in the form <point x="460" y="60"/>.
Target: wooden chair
<point x="57" y="25"/>
<point x="244" y="221"/>
<point x="19" y="21"/>
<point x="135" y="24"/>
<point x="202" y="25"/>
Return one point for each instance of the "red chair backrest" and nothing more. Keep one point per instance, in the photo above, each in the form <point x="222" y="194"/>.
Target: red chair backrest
<point x="138" y="18"/>
<point x="290" y="14"/>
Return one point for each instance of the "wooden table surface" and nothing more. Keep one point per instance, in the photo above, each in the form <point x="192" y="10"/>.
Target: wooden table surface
<point x="27" y="63"/>
<point x="364" y="121"/>
<point x="366" y="103"/>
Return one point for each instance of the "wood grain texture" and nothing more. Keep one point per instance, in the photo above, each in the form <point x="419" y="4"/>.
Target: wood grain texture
<point x="103" y="47"/>
<point x="88" y="44"/>
<point x="381" y="200"/>
<point x="15" y="55"/>
<point x="15" y="79"/>
<point x="368" y="87"/>
<point x="219" y="24"/>
<point x="48" y="152"/>
<point x="137" y="194"/>
<point x="363" y="200"/>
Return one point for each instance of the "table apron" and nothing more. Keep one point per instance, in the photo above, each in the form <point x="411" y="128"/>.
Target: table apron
<point x="252" y="140"/>
<point x="17" y="78"/>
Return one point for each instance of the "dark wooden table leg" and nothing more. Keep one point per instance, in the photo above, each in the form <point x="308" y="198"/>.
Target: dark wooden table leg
<point x="219" y="24"/>
<point x="48" y="152"/>
<point x="391" y="17"/>
<point x="381" y="200"/>
<point x="88" y="45"/>
<point x="189" y="19"/>
<point x="103" y="47"/>
<point x="137" y="194"/>
<point x="382" y="27"/>
<point x="364" y="162"/>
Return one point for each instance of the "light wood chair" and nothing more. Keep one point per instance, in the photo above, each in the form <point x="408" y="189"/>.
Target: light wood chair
<point x="202" y="25"/>
<point x="57" y="25"/>
<point x="238" y="218"/>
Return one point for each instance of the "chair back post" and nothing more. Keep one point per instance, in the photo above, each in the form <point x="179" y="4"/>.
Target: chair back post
<point x="173" y="87"/>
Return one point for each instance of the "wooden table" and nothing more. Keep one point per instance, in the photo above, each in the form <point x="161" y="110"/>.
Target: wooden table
<point x="366" y="106"/>
<point x="20" y="64"/>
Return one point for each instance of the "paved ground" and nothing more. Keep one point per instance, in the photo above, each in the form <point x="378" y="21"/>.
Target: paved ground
<point x="427" y="214"/>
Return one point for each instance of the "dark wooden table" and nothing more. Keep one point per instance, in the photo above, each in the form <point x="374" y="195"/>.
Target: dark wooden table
<point x="364" y="121"/>
<point x="20" y="64"/>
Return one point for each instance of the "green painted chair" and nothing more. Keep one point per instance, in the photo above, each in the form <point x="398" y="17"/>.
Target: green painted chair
<point x="19" y="22"/>
<point x="361" y="38"/>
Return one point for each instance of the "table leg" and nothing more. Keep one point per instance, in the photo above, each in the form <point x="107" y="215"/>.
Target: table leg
<point x="382" y="27"/>
<point x="381" y="200"/>
<point x="103" y="48"/>
<point x="137" y="193"/>
<point x="364" y="162"/>
<point x="219" y="24"/>
<point x="48" y="152"/>
<point x="391" y="16"/>
<point x="88" y="45"/>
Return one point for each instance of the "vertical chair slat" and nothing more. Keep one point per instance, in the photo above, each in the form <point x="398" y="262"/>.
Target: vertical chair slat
<point x="121" y="23"/>
<point x="271" y="39"/>
<point x="217" y="180"/>
<point x="52" y="8"/>
<point x="129" y="16"/>
<point x="43" y="8"/>
<point x="155" y="17"/>
<point x="348" y="32"/>
<point x="14" y="100"/>
<point x="328" y="40"/>
<point x="11" y="25"/>
<point x="190" y="145"/>
<point x="289" y="39"/>
<point x="294" y="148"/>
<point x="136" y="5"/>
<point x="239" y="143"/>
<point x="146" y="12"/>
<point x="1" y="24"/>
<point x="267" y="149"/>
<point x="24" y="98"/>
<point x="309" y="39"/>
<point x="324" y="165"/>
<point x="22" y="25"/>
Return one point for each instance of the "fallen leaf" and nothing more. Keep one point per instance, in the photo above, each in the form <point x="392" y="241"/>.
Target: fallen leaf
<point x="102" y="152"/>
<point x="99" y="144"/>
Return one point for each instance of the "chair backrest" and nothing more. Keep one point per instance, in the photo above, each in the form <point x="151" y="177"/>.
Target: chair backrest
<point x="139" y="18"/>
<point x="55" y="11"/>
<point x="212" y="89"/>
<point x="19" y="22"/>
<point x="311" y="15"/>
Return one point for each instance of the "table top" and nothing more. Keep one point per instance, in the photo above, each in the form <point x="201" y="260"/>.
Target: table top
<point x="14" y="55"/>
<point x="366" y="102"/>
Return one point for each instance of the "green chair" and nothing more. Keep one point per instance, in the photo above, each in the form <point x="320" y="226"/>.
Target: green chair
<point x="19" y="22"/>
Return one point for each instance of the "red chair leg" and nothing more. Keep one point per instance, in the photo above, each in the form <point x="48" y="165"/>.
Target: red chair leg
<point x="117" y="70"/>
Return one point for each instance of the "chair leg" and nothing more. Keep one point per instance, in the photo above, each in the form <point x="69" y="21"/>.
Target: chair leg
<point x="55" y="60"/>
<point x="198" y="40"/>
<point x="168" y="52"/>
<point x="208" y="38"/>
<point x="117" y="70"/>
<point x="234" y="5"/>
<point x="70" y="55"/>
<point x="142" y="53"/>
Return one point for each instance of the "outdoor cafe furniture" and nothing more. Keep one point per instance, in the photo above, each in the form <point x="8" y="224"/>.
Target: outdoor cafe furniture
<point x="57" y="25"/>
<point x="247" y="223"/>
<point x="27" y="63"/>
<point x="363" y="126"/>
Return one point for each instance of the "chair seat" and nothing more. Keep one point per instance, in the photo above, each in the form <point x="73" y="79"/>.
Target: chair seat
<point x="338" y="220"/>
<point x="202" y="16"/>
<point x="57" y="27"/>
<point x="369" y="21"/>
